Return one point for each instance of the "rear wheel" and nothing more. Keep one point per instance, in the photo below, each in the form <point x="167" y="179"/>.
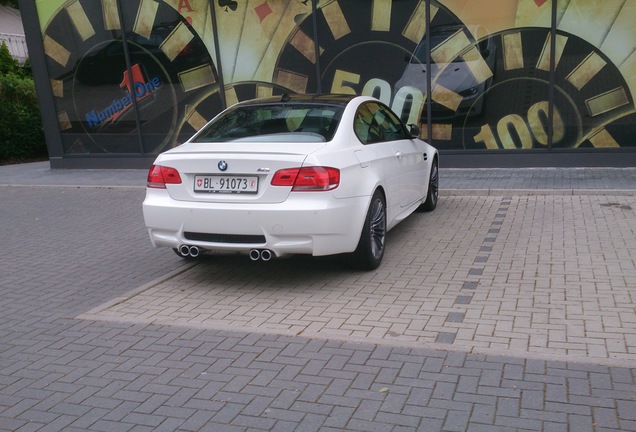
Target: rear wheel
<point x="368" y="255"/>
<point x="433" y="189"/>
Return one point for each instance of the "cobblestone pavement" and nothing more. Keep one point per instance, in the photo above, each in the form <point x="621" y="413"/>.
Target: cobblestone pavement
<point x="540" y="275"/>
<point x="493" y="313"/>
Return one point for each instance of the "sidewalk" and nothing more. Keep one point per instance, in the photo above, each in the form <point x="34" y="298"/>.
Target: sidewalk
<point x="576" y="181"/>
<point x="452" y="180"/>
<point x="40" y="174"/>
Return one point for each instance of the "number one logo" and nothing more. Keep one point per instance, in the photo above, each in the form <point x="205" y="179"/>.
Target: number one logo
<point x="137" y="77"/>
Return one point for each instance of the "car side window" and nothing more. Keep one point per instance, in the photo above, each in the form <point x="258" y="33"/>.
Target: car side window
<point x="390" y="126"/>
<point x="375" y="123"/>
<point x="366" y="125"/>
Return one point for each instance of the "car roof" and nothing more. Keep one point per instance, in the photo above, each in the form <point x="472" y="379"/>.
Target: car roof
<point x="326" y="99"/>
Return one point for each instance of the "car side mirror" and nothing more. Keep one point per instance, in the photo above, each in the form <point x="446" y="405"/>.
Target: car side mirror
<point x="414" y="131"/>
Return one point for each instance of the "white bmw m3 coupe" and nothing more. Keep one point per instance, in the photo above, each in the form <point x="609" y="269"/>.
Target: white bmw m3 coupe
<point x="297" y="174"/>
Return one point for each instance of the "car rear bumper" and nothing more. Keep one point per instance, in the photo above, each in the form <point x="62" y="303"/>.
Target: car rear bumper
<point x="300" y="225"/>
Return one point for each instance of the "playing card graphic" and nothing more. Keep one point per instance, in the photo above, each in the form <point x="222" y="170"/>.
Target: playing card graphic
<point x="620" y="42"/>
<point x="229" y="5"/>
<point x="252" y="34"/>
<point x="286" y="21"/>
<point x="261" y="19"/>
<point x="485" y="16"/>
<point x="536" y="13"/>
<point x="230" y="18"/>
<point x="197" y="14"/>
<point x="589" y="19"/>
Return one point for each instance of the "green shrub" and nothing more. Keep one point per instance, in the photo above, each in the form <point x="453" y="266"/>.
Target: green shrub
<point x="21" y="132"/>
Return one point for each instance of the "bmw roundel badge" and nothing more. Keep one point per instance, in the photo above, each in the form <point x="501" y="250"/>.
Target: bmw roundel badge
<point x="222" y="165"/>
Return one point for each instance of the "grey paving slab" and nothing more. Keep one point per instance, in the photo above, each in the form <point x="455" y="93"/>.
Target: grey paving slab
<point x="559" y="283"/>
<point x="68" y="250"/>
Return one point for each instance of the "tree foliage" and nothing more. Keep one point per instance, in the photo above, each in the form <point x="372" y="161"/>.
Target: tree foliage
<point x="21" y="132"/>
<point x="12" y="3"/>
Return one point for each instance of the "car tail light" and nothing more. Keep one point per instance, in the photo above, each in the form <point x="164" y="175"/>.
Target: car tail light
<point x="308" y="179"/>
<point x="159" y="176"/>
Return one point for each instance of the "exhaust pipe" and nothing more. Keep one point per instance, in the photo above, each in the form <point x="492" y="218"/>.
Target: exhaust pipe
<point x="263" y="255"/>
<point x="189" y="251"/>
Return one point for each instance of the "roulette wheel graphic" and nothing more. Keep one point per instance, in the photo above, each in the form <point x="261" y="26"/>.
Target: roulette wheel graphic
<point x="359" y="45"/>
<point x="589" y="92"/>
<point x="201" y="111"/>
<point x="98" y="98"/>
<point x="490" y="90"/>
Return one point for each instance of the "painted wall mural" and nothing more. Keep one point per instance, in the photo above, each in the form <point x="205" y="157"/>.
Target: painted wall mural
<point x="140" y="76"/>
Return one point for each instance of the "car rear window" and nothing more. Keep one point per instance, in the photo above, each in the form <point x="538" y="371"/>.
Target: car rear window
<point x="307" y="123"/>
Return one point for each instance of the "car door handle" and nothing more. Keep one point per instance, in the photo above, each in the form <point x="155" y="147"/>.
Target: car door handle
<point x="398" y="155"/>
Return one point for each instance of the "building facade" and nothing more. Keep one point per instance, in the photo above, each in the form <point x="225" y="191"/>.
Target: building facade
<point x="490" y="82"/>
<point x="12" y="33"/>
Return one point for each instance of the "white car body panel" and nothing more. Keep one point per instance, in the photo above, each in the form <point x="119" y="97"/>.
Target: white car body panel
<point x="244" y="159"/>
<point x="286" y="222"/>
<point x="300" y="225"/>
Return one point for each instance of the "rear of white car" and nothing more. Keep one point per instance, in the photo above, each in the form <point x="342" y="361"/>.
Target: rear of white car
<point x="274" y="215"/>
<point x="291" y="176"/>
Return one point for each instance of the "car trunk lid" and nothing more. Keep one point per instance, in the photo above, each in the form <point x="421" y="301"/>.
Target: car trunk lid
<point x="233" y="172"/>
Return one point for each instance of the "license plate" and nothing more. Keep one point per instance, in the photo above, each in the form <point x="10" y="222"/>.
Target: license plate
<point x="225" y="184"/>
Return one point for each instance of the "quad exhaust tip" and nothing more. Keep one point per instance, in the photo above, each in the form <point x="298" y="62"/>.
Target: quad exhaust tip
<point x="255" y="254"/>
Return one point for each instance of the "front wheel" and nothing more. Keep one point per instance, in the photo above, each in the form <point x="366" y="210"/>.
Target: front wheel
<point x="368" y="255"/>
<point x="433" y="189"/>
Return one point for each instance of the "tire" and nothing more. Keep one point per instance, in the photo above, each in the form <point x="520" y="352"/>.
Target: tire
<point x="433" y="189"/>
<point x="370" y="251"/>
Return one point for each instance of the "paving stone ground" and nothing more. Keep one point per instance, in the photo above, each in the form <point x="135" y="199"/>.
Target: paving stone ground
<point x="533" y="329"/>
<point x="548" y="275"/>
